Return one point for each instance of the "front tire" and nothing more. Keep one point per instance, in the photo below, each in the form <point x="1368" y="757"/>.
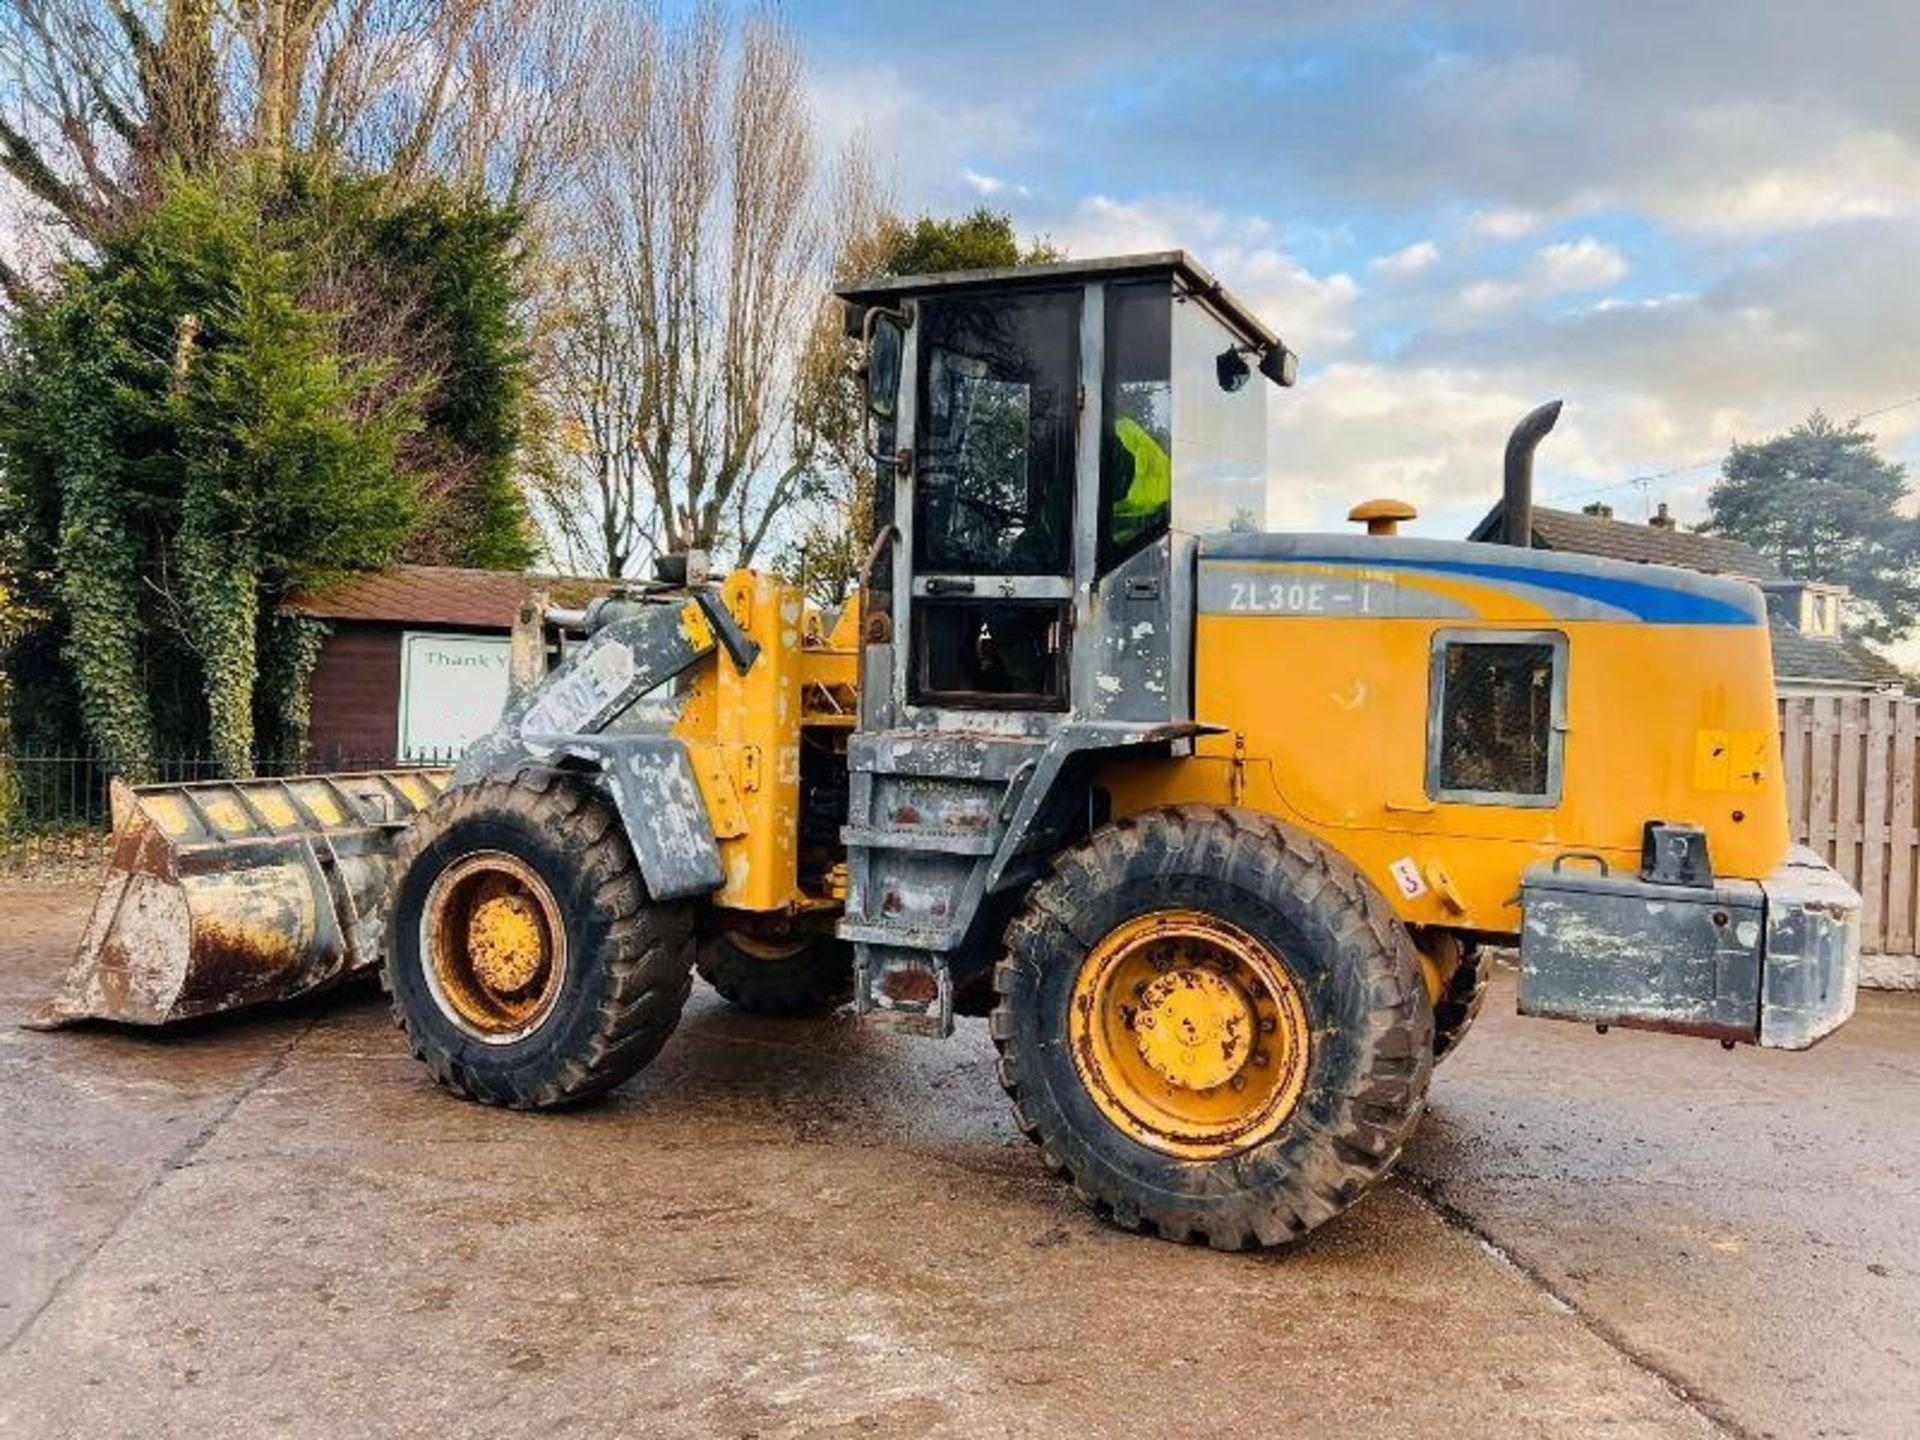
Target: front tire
<point x="1213" y="1026"/>
<point x="526" y="961"/>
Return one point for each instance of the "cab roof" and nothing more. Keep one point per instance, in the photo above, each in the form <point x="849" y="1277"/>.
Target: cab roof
<point x="1177" y="265"/>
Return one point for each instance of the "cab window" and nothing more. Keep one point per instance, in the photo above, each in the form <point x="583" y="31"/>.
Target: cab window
<point x="993" y="493"/>
<point x="1136" y="454"/>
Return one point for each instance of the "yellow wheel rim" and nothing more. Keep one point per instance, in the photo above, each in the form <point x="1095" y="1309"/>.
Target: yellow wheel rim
<point x="1189" y="1034"/>
<point x="495" y="947"/>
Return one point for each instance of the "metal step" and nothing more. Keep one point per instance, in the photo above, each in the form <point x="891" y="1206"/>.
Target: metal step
<point x="931" y="938"/>
<point x="941" y="754"/>
<point x="927" y="811"/>
<point x="944" y="842"/>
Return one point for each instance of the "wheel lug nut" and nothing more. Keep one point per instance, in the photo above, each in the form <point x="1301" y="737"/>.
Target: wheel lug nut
<point x="1239" y="1082"/>
<point x="1268" y="1024"/>
<point x="1261" y="1058"/>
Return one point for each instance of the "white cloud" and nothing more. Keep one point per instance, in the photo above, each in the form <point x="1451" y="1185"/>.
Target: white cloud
<point x="1854" y="177"/>
<point x="1584" y="264"/>
<point x="1649" y="302"/>
<point x="988" y="186"/>
<point x="1564" y="268"/>
<point x="1506" y="222"/>
<point x="1484" y="297"/>
<point x="1407" y="261"/>
<point x="1314" y="312"/>
<point x="919" y="142"/>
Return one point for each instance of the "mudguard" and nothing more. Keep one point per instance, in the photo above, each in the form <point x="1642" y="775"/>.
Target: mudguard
<point x="609" y="707"/>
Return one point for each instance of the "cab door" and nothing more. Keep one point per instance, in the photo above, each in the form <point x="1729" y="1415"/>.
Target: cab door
<point x="991" y="530"/>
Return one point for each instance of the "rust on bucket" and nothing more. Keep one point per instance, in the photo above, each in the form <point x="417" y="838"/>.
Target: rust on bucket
<point x="228" y="894"/>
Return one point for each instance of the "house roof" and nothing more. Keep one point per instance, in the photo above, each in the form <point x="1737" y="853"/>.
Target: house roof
<point x="1579" y="534"/>
<point x="1800" y="656"/>
<point x="439" y="595"/>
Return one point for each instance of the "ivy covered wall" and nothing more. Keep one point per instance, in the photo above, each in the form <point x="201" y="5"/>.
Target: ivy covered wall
<point x="253" y="387"/>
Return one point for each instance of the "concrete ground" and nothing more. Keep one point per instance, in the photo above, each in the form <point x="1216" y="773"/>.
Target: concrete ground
<point x="279" y="1226"/>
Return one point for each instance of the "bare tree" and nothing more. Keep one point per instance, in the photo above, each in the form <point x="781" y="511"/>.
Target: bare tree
<point x="692" y="264"/>
<point x="833" y="524"/>
<point x="598" y="398"/>
<point x="99" y="97"/>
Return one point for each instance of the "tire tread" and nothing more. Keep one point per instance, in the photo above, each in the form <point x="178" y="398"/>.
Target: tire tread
<point x="1256" y="853"/>
<point x="644" y="960"/>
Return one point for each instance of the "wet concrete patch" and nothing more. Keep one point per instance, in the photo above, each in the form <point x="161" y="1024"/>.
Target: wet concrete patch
<point x="811" y="1228"/>
<point x="1743" y="1221"/>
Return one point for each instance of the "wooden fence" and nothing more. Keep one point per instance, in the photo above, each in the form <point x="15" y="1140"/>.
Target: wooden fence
<point x="1851" y="762"/>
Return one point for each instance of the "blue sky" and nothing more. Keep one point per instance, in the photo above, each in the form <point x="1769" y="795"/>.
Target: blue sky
<point x="1694" y="222"/>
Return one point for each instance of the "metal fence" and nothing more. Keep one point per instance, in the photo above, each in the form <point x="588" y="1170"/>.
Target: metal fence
<point x="53" y="791"/>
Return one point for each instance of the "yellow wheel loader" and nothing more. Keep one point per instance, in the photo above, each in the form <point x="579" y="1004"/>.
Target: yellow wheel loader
<point x="1215" y="825"/>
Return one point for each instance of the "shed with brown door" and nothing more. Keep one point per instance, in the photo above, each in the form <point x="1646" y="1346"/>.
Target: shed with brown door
<point x="414" y="663"/>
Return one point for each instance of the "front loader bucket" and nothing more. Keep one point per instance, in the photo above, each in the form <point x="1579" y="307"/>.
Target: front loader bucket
<point x="234" y="893"/>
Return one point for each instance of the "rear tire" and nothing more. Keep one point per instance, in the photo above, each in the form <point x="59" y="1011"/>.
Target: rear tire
<point x="1460" y="1003"/>
<point x="603" y="971"/>
<point x="806" y="975"/>
<point x="1358" y="1023"/>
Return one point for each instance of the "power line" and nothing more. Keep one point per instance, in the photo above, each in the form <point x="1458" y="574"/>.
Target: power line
<point x="1642" y="480"/>
<point x="1713" y="464"/>
<point x="1885" y="409"/>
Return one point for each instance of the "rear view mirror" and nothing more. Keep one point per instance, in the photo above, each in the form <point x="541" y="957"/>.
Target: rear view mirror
<point x="886" y="342"/>
<point x="885" y="335"/>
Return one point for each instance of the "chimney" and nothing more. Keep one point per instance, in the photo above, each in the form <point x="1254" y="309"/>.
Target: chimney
<point x="1661" y="520"/>
<point x="1599" y="509"/>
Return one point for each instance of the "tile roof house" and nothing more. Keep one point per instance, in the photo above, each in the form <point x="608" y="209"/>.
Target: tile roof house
<point x="440" y="595"/>
<point x="1809" y="651"/>
<point x="414" y="664"/>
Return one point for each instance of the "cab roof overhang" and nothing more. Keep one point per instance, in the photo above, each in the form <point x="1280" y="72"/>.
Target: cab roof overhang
<point x="1188" y="274"/>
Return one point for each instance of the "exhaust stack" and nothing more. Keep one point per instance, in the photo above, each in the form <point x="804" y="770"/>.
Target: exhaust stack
<point x="1517" y="512"/>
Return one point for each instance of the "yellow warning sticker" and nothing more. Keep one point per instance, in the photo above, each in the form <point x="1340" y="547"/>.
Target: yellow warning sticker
<point x="1731" y="761"/>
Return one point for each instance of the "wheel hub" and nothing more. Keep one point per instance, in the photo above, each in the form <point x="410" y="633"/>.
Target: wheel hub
<point x="1189" y="1033"/>
<point x="495" y="945"/>
<point x="505" y="941"/>
<point x="1195" y="1028"/>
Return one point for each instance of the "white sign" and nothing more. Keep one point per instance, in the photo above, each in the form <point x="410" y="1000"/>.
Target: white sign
<point x="452" y="690"/>
<point x="1406" y="874"/>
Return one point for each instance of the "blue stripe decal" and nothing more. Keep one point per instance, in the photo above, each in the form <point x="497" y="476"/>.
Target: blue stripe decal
<point x="1653" y="604"/>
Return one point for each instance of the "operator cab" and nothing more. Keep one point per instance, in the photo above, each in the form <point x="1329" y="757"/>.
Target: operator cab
<point x="1051" y="440"/>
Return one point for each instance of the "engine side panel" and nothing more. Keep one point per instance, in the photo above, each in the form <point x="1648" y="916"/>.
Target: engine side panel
<point x="1317" y="656"/>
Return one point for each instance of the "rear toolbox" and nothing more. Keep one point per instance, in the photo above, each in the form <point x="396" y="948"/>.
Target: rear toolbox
<point x="1772" y="963"/>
